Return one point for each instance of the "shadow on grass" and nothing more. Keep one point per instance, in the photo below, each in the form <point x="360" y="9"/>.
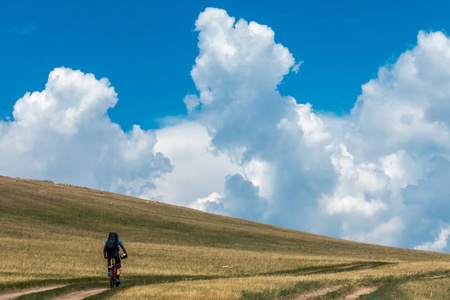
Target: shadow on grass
<point x="273" y="294"/>
<point x="390" y="288"/>
<point x="331" y="269"/>
<point x="388" y="284"/>
<point x="45" y="282"/>
<point x="80" y="284"/>
<point x="304" y="287"/>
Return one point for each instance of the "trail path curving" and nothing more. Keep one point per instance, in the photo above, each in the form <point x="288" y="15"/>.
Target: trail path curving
<point x="360" y="292"/>
<point x="333" y="269"/>
<point x="81" y="294"/>
<point x="313" y="294"/>
<point x="15" y="294"/>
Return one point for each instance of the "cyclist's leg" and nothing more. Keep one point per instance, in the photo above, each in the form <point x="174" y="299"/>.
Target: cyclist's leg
<point x="119" y="269"/>
<point x="109" y="261"/>
<point x="119" y="264"/>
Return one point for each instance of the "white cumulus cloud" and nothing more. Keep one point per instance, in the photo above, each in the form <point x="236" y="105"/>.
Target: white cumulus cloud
<point x="439" y="244"/>
<point x="359" y="176"/>
<point x="64" y="134"/>
<point x="198" y="169"/>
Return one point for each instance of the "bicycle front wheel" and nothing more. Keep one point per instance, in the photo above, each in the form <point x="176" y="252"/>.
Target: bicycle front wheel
<point x="112" y="277"/>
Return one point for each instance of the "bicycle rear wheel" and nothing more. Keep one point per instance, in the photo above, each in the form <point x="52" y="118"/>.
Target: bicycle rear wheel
<point x="112" y="278"/>
<point x="112" y="273"/>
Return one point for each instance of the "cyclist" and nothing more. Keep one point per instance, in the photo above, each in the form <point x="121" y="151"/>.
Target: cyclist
<point x="111" y="250"/>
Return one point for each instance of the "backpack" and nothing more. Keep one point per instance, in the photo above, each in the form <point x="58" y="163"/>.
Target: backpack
<point x="113" y="242"/>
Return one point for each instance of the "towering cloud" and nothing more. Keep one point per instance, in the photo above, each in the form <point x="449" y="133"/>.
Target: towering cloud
<point x="376" y="175"/>
<point x="281" y="146"/>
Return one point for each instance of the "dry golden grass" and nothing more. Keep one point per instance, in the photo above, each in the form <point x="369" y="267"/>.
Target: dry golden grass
<point x="426" y="289"/>
<point x="31" y="258"/>
<point x="152" y="259"/>
<point x="206" y="289"/>
<point x="53" y="232"/>
<point x="47" y="259"/>
<point x="232" y="288"/>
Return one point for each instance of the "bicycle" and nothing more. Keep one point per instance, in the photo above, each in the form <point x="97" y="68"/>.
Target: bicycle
<point x="112" y="269"/>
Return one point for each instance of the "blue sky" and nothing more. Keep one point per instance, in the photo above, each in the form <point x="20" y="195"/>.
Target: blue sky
<point x="147" y="48"/>
<point x="200" y="105"/>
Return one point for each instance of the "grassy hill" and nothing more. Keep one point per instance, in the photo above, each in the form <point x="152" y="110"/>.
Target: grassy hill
<point x="55" y="233"/>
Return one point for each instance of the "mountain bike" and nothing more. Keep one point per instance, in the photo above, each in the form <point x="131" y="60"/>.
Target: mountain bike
<point x="112" y="269"/>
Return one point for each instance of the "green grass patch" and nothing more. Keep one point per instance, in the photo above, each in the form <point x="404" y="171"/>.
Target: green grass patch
<point x="299" y="287"/>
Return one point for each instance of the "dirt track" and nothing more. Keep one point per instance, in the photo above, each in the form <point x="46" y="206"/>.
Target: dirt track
<point x="314" y="294"/>
<point x="360" y="292"/>
<point x="320" y="292"/>
<point x="72" y="296"/>
<point x="81" y="294"/>
<point x="15" y="294"/>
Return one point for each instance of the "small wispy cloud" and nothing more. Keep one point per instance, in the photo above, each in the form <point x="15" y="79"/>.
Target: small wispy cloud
<point x="26" y="28"/>
<point x="439" y="244"/>
<point x="296" y="67"/>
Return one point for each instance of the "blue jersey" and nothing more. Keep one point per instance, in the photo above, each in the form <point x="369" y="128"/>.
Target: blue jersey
<point x="119" y="243"/>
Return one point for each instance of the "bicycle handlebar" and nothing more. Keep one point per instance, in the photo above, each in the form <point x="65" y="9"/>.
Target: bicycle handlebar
<point x="123" y="256"/>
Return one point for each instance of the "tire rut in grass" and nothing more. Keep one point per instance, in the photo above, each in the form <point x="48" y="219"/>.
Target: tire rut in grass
<point x="331" y="269"/>
<point x="81" y="294"/>
<point x="313" y="294"/>
<point x="18" y="293"/>
<point x="359" y="292"/>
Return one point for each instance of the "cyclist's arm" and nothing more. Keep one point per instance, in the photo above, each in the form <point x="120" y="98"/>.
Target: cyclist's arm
<point x="123" y="249"/>
<point x="104" y="251"/>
